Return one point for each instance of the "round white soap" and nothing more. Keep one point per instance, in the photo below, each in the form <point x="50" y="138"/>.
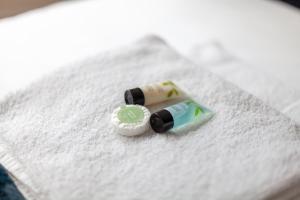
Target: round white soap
<point x="131" y="120"/>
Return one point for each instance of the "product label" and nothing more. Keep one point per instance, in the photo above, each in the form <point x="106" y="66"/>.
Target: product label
<point x="188" y="112"/>
<point x="130" y="115"/>
<point x="178" y="109"/>
<point x="160" y="92"/>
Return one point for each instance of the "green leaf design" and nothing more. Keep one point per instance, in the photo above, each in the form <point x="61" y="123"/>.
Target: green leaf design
<point x="168" y="83"/>
<point x="173" y="91"/>
<point x="198" y="111"/>
<point x="170" y="93"/>
<point x="176" y="92"/>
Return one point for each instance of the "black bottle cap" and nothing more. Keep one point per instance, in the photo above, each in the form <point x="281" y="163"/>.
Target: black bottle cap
<point x="134" y="96"/>
<point x="161" y="121"/>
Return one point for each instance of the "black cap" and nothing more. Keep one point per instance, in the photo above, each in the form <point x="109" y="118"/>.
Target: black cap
<point x="161" y="121"/>
<point x="134" y="96"/>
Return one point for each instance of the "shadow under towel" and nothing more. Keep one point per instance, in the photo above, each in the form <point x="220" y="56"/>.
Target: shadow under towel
<point x="59" y="128"/>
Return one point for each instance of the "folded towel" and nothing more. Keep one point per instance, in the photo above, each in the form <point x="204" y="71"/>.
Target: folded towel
<point x="59" y="129"/>
<point x="214" y="57"/>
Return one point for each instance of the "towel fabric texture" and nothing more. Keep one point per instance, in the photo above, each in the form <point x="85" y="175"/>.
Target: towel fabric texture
<point x="215" y="58"/>
<point x="59" y="131"/>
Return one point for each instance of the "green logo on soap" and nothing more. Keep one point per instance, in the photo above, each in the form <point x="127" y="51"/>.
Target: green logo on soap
<point x="130" y="114"/>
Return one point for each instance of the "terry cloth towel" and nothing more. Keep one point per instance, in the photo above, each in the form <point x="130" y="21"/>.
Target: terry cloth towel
<point x="215" y="58"/>
<point x="59" y="129"/>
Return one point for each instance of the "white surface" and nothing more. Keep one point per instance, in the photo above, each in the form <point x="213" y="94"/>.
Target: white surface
<point x="59" y="128"/>
<point x="272" y="91"/>
<point x="263" y="33"/>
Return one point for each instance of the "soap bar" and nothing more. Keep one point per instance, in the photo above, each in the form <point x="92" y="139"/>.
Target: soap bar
<point x="131" y="120"/>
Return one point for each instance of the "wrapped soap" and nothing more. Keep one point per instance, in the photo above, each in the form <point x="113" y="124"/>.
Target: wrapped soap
<point x="131" y="120"/>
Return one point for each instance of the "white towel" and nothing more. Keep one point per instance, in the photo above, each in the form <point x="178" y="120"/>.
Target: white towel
<point x="59" y="129"/>
<point x="215" y="58"/>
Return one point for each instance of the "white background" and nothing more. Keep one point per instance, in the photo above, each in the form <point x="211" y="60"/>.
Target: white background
<point x="264" y="33"/>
